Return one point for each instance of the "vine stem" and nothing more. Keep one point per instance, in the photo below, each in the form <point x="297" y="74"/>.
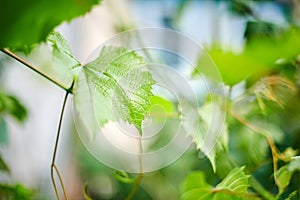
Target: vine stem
<point x="30" y="66"/>
<point x="141" y="174"/>
<point x="53" y="165"/>
<point x="274" y="151"/>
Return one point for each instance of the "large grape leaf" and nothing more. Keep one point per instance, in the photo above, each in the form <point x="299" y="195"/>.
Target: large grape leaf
<point x="118" y="87"/>
<point x="24" y="23"/>
<point x="233" y="186"/>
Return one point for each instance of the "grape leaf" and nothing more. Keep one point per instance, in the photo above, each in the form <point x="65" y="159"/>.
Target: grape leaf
<point x="119" y="87"/>
<point x="209" y="140"/>
<point x="283" y="177"/>
<point x="236" y="181"/>
<point x="195" y="187"/>
<point x="26" y="23"/>
<point x="233" y="186"/>
<point x="284" y="174"/>
<point x="62" y="52"/>
<point x="195" y="180"/>
<point x="257" y="59"/>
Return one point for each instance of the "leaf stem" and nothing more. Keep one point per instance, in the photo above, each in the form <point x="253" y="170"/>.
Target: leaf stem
<point x="30" y="66"/>
<point x="275" y="155"/>
<point x="140" y="176"/>
<point x="53" y="165"/>
<point x="260" y="189"/>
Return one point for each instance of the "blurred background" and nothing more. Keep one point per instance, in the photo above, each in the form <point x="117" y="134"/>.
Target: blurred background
<point x="27" y="145"/>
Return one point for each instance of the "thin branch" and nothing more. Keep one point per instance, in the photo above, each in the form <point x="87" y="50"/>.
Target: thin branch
<point x="53" y="165"/>
<point x="275" y="155"/>
<point x="135" y="187"/>
<point x="30" y="66"/>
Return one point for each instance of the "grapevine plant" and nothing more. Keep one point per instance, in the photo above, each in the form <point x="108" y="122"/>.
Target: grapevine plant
<point x="257" y="153"/>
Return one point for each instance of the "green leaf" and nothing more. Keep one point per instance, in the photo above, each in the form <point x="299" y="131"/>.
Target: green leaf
<point x="248" y="147"/>
<point x="258" y="58"/>
<point x="11" y="105"/>
<point x="294" y="165"/>
<point x="283" y="177"/>
<point x="234" y="186"/>
<point x="161" y="109"/>
<point x="62" y="53"/>
<point x="167" y="106"/>
<point x="221" y="196"/>
<point x="293" y="194"/>
<point x="240" y="7"/>
<point x="206" y="115"/>
<point x="3" y="132"/>
<point x="195" y="187"/>
<point x="15" y="192"/>
<point x="236" y="181"/>
<point x="3" y="165"/>
<point x="289" y="153"/>
<point x="29" y="22"/>
<point x="117" y="85"/>
<point x="284" y="174"/>
<point x="195" y="180"/>
<point x="198" y="194"/>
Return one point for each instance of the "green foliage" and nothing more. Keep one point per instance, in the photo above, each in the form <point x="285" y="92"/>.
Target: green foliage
<point x="15" y="192"/>
<point x="234" y="186"/>
<point x="206" y="115"/>
<point x="248" y="147"/>
<point x="240" y="7"/>
<point x="166" y="105"/>
<point x="236" y="181"/>
<point x="3" y="165"/>
<point x="259" y="57"/>
<point x="120" y="85"/>
<point x="21" y="27"/>
<point x="284" y="174"/>
<point x="195" y="180"/>
<point x="11" y="105"/>
<point x="3" y="132"/>
<point x="62" y="53"/>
